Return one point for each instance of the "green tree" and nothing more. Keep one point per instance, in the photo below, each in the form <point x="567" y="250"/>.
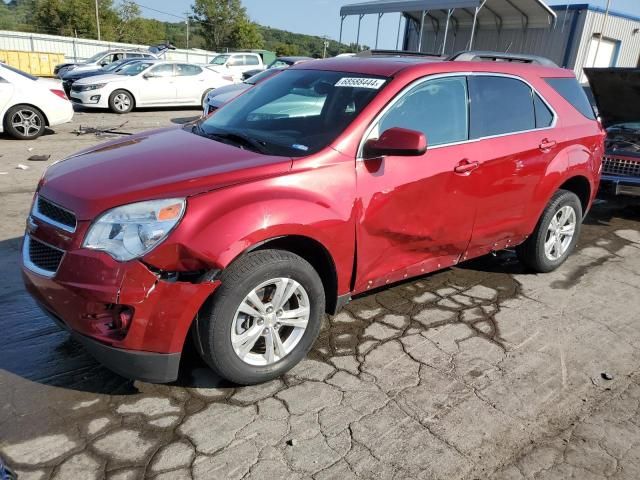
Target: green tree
<point x="71" y="17"/>
<point x="286" y="49"/>
<point x="245" y="34"/>
<point x="129" y="26"/>
<point x="224" y="23"/>
<point x="7" y="21"/>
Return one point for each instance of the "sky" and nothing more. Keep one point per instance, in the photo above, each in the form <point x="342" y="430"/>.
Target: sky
<point x="321" y="17"/>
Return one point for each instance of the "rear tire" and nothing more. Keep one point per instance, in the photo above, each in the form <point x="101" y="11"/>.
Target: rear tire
<point x="556" y="234"/>
<point x="121" y="101"/>
<point x="24" y="122"/>
<point x="287" y="299"/>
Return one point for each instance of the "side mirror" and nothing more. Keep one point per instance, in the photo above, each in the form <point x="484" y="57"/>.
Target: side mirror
<point x="148" y="75"/>
<point x="396" y="141"/>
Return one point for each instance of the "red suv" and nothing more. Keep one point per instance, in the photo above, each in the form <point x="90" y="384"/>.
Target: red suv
<point x="330" y="179"/>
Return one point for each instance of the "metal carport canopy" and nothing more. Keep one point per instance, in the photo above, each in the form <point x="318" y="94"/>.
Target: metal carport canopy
<point x="509" y="13"/>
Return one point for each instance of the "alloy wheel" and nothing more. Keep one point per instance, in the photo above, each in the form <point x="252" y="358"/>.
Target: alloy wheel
<point x="270" y="321"/>
<point x="26" y="122"/>
<point x="122" y="102"/>
<point x="560" y="233"/>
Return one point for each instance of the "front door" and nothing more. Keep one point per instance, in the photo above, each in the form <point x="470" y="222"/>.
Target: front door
<point x="417" y="213"/>
<point x="158" y="87"/>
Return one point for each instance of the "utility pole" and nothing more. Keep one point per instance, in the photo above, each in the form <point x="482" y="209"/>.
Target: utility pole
<point x="604" y="24"/>
<point x="98" y="19"/>
<point x="187" y="22"/>
<point x="325" y="44"/>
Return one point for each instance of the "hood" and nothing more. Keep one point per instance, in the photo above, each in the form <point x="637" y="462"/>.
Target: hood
<point x="234" y="87"/>
<point x="86" y="67"/>
<point x="103" y="78"/>
<point x="73" y="75"/>
<point x="219" y="100"/>
<point x="616" y="92"/>
<point x="159" y="164"/>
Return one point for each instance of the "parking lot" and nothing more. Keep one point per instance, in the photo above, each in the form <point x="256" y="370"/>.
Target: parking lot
<point x="479" y="371"/>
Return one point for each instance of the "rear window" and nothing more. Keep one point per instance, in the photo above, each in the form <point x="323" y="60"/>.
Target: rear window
<point x="573" y="93"/>
<point x="19" y="72"/>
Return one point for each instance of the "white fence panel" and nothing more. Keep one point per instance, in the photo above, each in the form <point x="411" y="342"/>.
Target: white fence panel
<point x="78" y="49"/>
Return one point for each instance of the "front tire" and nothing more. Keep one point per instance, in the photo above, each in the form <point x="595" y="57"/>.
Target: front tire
<point x="264" y="317"/>
<point x="556" y="234"/>
<point x="24" y="122"/>
<point x="121" y="101"/>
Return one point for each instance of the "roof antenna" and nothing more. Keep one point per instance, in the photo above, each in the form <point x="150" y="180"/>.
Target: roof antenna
<point x="509" y="47"/>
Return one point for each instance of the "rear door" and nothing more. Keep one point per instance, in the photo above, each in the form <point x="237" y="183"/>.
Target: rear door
<point x="189" y="83"/>
<point x="514" y="141"/>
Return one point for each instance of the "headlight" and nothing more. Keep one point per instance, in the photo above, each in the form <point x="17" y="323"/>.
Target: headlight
<point x="130" y="231"/>
<point x="95" y="86"/>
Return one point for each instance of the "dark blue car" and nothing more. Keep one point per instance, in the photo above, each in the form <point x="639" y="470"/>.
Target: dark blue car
<point x="70" y="77"/>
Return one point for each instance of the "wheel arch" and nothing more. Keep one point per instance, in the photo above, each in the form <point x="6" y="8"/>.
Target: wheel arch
<point x="313" y="252"/>
<point x="579" y="184"/>
<point x="26" y="104"/>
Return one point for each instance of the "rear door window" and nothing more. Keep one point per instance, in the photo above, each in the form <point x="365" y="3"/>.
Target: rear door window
<point x="186" y="70"/>
<point x="573" y="93"/>
<point x="499" y="105"/>
<point x="437" y="108"/>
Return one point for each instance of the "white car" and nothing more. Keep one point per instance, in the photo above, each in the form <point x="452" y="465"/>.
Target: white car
<point x="148" y="83"/>
<point x="236" y="63"/>
<point x="28" y="104"/>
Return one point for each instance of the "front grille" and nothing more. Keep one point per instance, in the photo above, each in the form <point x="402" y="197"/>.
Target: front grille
<point x="52" y="213"/>
<point x="623" y="167"/>
<point x="44" y="256"/>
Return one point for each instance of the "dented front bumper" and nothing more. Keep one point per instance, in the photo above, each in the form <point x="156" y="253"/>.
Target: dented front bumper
<point x="90" y="289"/>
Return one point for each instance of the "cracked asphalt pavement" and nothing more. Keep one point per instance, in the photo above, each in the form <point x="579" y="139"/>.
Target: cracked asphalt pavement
<point x="479" y="371"/>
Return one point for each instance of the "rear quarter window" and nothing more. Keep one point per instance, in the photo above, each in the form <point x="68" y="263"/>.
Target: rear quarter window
<point x="572" y="92"/>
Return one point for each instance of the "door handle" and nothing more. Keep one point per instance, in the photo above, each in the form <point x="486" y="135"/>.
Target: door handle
<point x="546" y="144"/>
<point x="465" y="167"/>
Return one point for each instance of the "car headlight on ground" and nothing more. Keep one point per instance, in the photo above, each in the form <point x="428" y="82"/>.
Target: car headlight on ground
<point x="87" y="88"/>
<point x="130" y="231"/>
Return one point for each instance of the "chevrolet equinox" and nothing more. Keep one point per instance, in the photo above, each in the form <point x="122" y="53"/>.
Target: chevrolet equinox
<point x="332" y="178"/>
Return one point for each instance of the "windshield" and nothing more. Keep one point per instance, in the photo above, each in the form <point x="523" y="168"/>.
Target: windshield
<point x="96" y="57"/>
<point x="135" y="68"/>
<point x="279" y="63"/>
<point x="220" y="60"/>
<point x="295" y="113"/>
<point x="19" y="72"/>
<point x="115" y="65"/>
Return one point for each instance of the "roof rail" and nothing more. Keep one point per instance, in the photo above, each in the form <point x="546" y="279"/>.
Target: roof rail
<point x="396" y="53"/>
<point x="488" y="56"/>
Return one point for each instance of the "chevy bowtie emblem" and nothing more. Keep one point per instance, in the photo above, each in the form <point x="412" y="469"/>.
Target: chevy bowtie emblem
<point x="31" y="225"/>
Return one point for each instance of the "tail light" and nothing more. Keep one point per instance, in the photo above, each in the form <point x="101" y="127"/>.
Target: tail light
<point x="59" y="93"/>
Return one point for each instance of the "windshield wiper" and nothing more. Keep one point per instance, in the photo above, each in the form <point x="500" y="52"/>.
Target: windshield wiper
<point x="237" y="138"/>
